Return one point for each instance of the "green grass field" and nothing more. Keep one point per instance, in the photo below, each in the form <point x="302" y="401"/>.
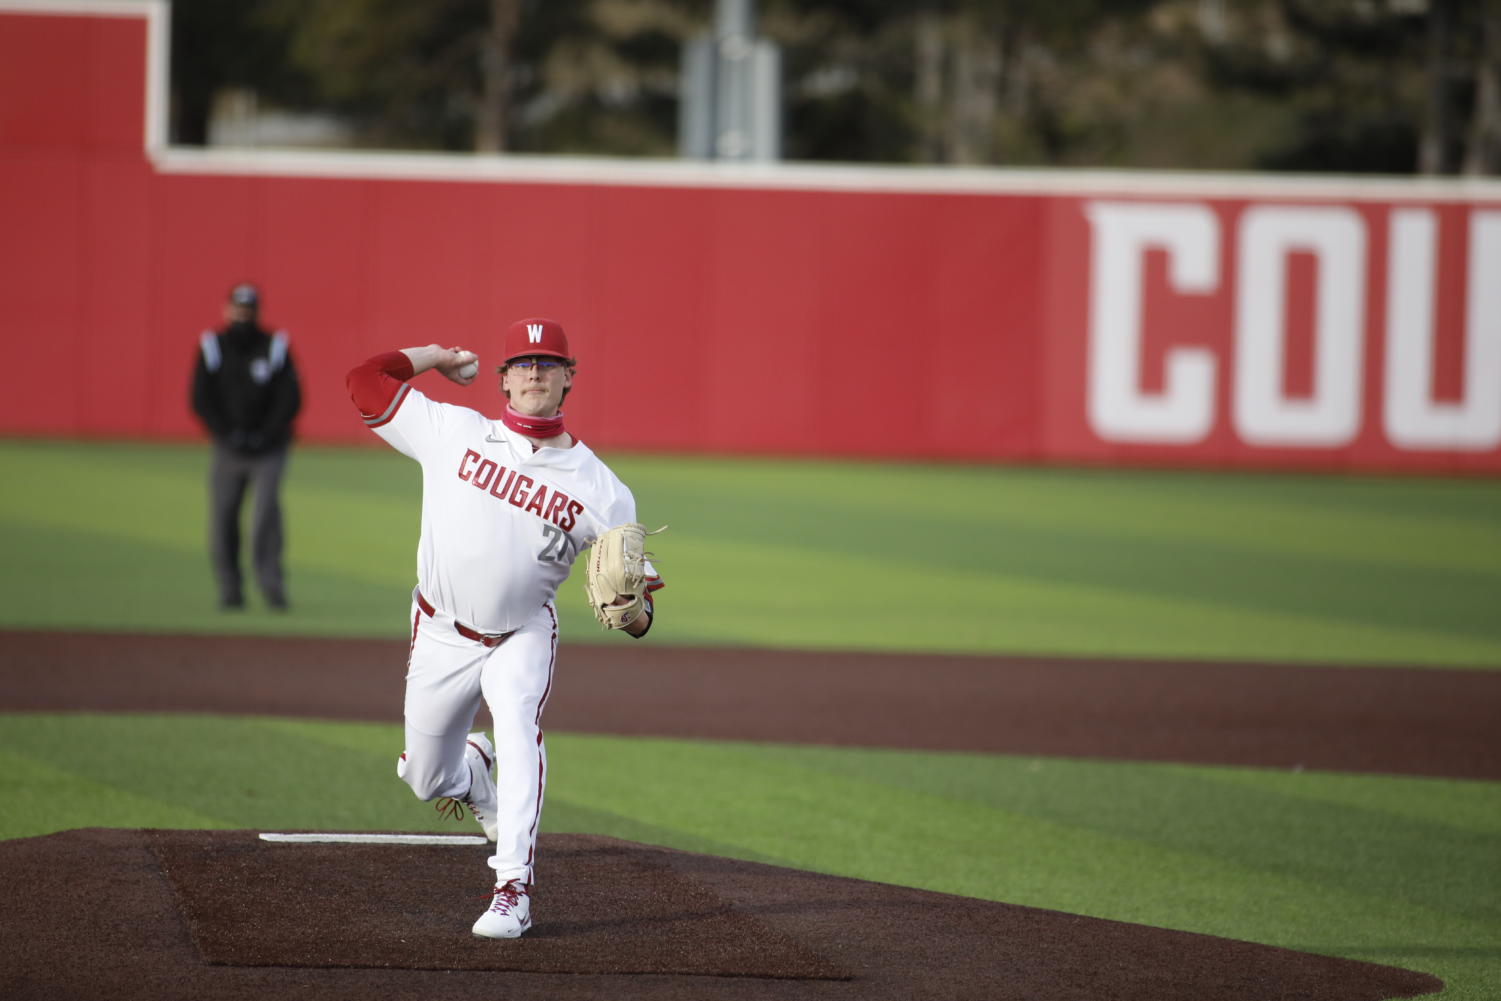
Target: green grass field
<point x="1363" y="571"/>
<point x="837" y="555"/>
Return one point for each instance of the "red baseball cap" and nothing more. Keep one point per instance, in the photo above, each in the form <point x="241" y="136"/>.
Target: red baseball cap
<point x="536" y="336"/>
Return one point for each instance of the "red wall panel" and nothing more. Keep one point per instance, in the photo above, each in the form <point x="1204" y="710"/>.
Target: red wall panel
<point x="1161" y="322"/>
<point x="32" y="46"/>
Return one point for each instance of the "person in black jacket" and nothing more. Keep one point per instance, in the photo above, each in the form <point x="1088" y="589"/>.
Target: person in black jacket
<point x="245" y="391"/>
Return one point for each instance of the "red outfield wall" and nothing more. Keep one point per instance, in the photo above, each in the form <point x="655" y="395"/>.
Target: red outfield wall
<point x="1128" y="318"/>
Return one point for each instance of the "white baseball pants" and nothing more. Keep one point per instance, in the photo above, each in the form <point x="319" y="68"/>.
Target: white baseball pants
<point x="447" y="675"/>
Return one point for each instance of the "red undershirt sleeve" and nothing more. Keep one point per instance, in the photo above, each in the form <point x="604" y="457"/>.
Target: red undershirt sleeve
<point x="378" y="385"/>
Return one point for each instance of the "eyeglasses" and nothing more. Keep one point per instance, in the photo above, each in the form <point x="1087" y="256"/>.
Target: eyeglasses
<point x="527" y="364"/>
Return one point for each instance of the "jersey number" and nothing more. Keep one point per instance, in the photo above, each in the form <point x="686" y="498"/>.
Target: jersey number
<point x="558" y="545"/>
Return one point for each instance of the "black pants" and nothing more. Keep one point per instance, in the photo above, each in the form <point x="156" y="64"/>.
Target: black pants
<point x="230" y="473"/>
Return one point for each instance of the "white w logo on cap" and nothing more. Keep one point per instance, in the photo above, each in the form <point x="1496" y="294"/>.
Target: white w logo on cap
<point x="534" y="333"/>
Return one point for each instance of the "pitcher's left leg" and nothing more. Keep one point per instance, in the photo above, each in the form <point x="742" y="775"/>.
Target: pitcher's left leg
<point x="516" y="682"/>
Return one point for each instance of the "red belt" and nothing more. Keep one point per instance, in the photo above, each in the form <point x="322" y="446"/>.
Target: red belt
<point x="488" y="639"/>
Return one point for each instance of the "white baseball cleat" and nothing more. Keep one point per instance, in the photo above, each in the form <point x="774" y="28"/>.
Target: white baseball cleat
<point x="481" y="800"/>
<point x="510" y="912"/>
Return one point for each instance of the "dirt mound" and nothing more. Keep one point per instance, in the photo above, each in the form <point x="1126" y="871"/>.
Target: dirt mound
<point x="225" y="915"/>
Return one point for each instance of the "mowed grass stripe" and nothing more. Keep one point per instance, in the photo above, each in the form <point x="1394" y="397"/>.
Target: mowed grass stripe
<point x="131" y="496"/>
<point x="827" y="555"/>
<point x="1181" y="546"/>
<point x="100" y="581"/>
<point x="1419" y="523"/>
<point x="31" y="784"/>
<point x="959" y="611"/>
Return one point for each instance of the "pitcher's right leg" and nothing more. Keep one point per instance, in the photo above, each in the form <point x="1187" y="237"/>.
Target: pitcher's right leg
<point x="442" y="698"/>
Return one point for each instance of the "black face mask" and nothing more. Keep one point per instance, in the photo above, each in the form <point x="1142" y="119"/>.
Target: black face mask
<point x="241" y="327"/>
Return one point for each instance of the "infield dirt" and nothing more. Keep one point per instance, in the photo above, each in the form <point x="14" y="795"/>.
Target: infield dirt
<point x="1418" y="721"/>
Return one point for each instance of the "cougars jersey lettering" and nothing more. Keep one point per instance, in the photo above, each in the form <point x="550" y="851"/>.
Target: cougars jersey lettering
<point x="520" y="490"/>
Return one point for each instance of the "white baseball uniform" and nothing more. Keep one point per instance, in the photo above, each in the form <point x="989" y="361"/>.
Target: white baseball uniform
<point x="501" y="525"/>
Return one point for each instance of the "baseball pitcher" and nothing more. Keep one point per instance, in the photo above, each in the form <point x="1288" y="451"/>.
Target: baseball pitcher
<point x="507" y="505"/>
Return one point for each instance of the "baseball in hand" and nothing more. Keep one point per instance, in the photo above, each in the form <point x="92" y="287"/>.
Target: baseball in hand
<point x="468" y="365"/>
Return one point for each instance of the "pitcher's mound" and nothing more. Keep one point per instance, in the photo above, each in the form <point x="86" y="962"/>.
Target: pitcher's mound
<point x="226" y="915"/>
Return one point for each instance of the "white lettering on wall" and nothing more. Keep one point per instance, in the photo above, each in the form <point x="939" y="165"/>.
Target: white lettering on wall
<point x="1263" y="413"/>
<point x="1118" y="409"/>
<point x="1413" y="419"/>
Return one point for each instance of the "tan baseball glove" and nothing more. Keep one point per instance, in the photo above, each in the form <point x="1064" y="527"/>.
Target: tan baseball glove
<point x="616" y="569"/>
